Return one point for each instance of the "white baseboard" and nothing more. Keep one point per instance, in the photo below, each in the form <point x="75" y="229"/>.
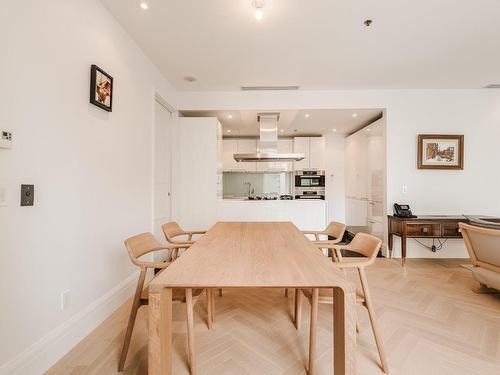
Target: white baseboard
<point x="40" y="356"/>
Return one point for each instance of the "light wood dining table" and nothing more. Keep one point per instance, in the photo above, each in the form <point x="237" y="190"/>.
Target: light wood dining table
<point x="253" y="255"/>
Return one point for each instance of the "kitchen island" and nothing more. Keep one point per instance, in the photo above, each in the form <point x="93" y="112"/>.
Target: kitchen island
<point x="305" y="214"/>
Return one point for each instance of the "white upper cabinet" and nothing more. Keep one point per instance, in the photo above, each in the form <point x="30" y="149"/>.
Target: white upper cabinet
<point x="314" y="150"/>
<point x="317" y="153"/>
<point x="301" y="144"/>
<point x="229" y="148"/>
<point x="247" y="146"/>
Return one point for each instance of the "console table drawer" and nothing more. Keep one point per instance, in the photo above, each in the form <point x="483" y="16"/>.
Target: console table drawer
<point x="451" y="230"/>
<point x="423" y="230"/>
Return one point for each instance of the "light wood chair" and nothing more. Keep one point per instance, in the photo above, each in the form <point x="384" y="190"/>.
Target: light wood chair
<point x="173" y="231"/>
<point x="483" y="245"/>
<point x="334" y="229"/>
<point x="367" y="246"/>
<point x="138" y="246"/>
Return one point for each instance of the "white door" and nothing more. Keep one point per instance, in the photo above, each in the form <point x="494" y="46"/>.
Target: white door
<point x="162" y="168"/>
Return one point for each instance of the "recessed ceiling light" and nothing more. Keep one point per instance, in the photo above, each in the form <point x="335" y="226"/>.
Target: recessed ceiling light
<point x="229" y="116"/>
<point x="368" y="129"/>
<point x="354" y="115"/>
<point x="144" y="5"/>
<point x="282" y="130"/>
<point x="368" y="22"/>
<point x="259" y="9"/>
<point x="190" y="79"/>
<point x="228" y="130"/>
<point x="307" y="115"/>
<point x="334" y="130"/>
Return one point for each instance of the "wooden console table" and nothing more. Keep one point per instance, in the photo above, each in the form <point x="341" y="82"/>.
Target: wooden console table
<point x="423" y="227"/>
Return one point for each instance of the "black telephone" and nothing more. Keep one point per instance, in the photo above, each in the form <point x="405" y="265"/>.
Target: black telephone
<point x="403" y="210"/>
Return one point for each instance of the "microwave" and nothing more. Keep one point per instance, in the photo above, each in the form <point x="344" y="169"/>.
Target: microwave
<point x="310" y="179"/>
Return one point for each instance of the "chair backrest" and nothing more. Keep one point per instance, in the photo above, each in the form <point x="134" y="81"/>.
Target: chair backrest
<point x="336" y="230"/>
<point x="483" y="245"/>
<point x="141" y="244"/>
<point x="172" y="230"/>
<point x="366" y="244"/>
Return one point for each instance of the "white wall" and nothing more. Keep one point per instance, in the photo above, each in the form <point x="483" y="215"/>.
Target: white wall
<point x="474" y="113"/>
<point x="92" y="172"/>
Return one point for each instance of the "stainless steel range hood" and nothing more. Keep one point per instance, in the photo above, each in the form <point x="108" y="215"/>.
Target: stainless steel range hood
<point x="267" y="146"/>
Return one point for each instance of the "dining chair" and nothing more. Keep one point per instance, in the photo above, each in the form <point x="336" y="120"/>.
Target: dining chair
<point x="367" y="246"/>
<point x="172" y="231"/>
<point x="483" y="246"/>
<point x="334" y="229"/>
<point x="138" y="246"/>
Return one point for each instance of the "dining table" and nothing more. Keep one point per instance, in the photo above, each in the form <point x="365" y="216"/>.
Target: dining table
<point x="253" y="255"/>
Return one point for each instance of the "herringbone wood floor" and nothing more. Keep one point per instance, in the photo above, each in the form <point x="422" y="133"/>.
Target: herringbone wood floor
<point x="431" y="323"/>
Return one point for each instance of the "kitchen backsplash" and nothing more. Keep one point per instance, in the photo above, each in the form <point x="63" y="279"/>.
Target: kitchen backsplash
<point x="236" y="184"/>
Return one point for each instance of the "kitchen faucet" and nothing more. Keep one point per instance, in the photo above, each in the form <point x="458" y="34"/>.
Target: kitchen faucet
<point x="250" y="189"/>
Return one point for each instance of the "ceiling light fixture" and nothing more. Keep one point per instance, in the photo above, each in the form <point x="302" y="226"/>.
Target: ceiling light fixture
<point x="259" y="9"/>
<point x="228" y="130"/>
<point x="229" y="116"/>
<point x="282" y="130"/>
<point x="307" y="115"/>
<point x="367" y="129"/>
<point x="189" y="79"/>
<point x="144" y="5"/>
<point x="368" y="23"/>
<point x="334" y="130"/>
<point x="354" y="115"/>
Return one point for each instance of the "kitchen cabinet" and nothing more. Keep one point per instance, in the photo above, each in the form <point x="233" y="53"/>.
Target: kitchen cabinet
<point x="365" y="185"/>
<point x="317" y="153"/>
<point x="314" y="150"/>
<point x="229" y="148"/>
<point x="237" y="146"/>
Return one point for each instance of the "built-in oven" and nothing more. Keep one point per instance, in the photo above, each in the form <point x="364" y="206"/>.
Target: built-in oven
<point x="310" y="184"/>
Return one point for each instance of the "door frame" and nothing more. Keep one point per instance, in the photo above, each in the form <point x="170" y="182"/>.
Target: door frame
<point x="157" y="98"/>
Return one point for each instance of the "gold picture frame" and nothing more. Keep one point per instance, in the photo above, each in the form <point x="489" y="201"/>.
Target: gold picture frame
<point x="440" y="151"/>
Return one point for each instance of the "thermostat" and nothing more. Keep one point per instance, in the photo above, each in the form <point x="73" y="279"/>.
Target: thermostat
<point x="6" y="139"/>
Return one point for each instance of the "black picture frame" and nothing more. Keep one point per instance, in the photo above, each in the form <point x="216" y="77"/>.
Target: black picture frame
<point x="96" y="78"/>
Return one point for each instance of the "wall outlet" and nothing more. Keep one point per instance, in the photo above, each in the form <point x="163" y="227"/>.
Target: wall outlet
<point x="405" y="189"/>
<point x="64" y="300"/>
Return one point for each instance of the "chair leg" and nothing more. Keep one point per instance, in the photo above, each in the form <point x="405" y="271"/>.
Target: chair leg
<point x="209" y="308"/>
<point x="212" y="299"/>
<point x="298" y="308"/>
<point x="373" y="320"/>
<point x="131" y="320"/>
<point x="190" y="330"/>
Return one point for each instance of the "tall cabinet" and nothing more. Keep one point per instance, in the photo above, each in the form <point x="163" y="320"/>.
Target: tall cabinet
<point x="365" y="180"/>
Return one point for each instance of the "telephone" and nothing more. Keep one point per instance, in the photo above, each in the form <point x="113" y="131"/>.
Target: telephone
<point x="403" y="210"/>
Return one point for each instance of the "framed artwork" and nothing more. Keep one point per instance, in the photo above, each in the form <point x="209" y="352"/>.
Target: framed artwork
<point x="101" y="88"/>
<point x="437" y="151"/>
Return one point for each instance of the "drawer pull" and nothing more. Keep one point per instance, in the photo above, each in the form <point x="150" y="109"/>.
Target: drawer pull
<point x="425" y="230"/>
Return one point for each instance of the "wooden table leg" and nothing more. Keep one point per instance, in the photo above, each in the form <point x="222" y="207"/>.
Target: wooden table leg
<point x="312" y="330"/>
<point x="344" y="332"/>
<point x="190" y="329"/>
<point x="390" y="244"/>
<point x="403" y="250"/>
<point x="298" y="308"/>
<point x="160" y="332"/>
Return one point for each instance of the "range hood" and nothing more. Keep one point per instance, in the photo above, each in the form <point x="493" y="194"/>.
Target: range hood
<point x="267" y="146"/>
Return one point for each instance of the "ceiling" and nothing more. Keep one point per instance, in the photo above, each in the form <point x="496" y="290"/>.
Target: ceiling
<point x="319" y="44"/>
<point x="293" y="123"/>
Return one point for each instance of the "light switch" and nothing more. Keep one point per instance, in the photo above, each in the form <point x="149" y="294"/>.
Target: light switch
<point x="5" y="139"/>
<point x="405" y="189"/>
<point x="27" y="195"/>
<point x="3" y="195"/>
